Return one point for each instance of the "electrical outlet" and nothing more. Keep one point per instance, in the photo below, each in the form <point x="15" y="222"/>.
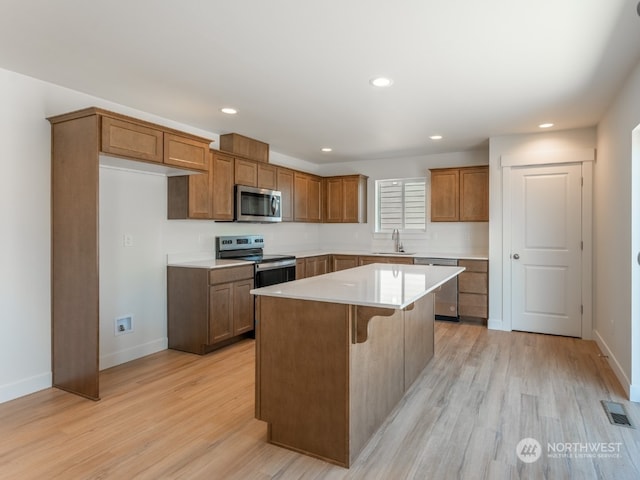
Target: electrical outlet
<point x="123" y="325"/>
<point x="127" y="240"/>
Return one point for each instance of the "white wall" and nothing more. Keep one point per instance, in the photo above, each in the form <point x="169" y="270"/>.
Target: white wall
<point x="617" y="239"/>
<point x="132" y="279"/>
<point x="441" y="237"/>
<point x="521" y="145"/>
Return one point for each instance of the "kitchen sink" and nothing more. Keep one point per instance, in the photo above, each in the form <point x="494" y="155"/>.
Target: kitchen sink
<point x="393" y="253"/>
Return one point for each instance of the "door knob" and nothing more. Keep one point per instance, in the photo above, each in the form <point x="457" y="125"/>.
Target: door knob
<point x="516" y="256"/>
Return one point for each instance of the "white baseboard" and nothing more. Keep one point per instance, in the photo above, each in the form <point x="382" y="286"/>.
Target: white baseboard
<point x="634" y="393"/>
<point x="24" y="387"/>
<point x="496" y="325"/>
<point x="616" y="367"/>
<point x="128" y="354"/>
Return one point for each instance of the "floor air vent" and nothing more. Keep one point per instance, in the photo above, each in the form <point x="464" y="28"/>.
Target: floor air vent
<point x="617" y="414"/>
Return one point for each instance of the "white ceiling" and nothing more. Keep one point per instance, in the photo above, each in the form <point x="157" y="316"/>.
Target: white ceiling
<point x="298" y="71"/>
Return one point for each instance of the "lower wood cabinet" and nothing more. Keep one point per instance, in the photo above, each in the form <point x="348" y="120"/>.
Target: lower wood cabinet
<point x="342" y="262"/>
<point x="206" y="308"/>
<point x="473" y="289"/>
<point x="367" y="260"/>
<point x="312" y="266"/>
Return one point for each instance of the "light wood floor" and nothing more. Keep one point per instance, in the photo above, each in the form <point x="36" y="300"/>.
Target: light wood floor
<point x="177" y="415"/>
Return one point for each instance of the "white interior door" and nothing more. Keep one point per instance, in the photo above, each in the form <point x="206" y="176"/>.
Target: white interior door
<point x="546" y="249"/>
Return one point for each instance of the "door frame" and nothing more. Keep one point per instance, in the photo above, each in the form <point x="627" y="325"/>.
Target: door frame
<point x="586" y="157"/>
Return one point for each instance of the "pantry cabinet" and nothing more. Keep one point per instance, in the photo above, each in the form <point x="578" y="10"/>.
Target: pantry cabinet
<point x="460" y="194"/>
<point x="208" y="308"/>
<point x="80" y="141"/>
<point x="345" y="199"/>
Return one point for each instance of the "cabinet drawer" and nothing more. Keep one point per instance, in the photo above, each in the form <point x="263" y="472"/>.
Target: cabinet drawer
<point x="474" y="265"/>
<point x="231" y="274"/>
<point x="472" y="305"/>
<point x="131" y="140"/>
<point x="185" y="152"/>
<point x="472" y="282"/>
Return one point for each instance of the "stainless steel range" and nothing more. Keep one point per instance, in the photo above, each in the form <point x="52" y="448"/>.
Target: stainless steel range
<point x="268" y="269"/>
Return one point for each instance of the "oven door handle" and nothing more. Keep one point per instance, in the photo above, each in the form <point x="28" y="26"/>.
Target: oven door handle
<point x="261" y="267"/>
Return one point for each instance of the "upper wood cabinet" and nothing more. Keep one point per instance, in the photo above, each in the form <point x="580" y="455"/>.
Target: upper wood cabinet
<point x="267" y="176"/>
<point x="221" y="186"/>
<point x="307" y="197"/>
<point x="134" y="139"/>
<point x="284" y="184"/>
<point x="460" y="194"/>
<point x="207" y="196"/>
<point x="185" y="152"/>
<point x="247" y="147"/>
<point x="246" y="172"/>
<point x="345" y="199"/>
<point x="255" y="174"/>
<point x="127" y="139"/>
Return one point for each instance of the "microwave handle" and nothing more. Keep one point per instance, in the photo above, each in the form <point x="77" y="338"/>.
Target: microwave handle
<point x="274" y="205"/>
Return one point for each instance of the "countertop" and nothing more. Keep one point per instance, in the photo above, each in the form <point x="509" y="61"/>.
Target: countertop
<point x="210" y="263"/>
<point x="375" y="285"/>
<point x="448" y="255"/>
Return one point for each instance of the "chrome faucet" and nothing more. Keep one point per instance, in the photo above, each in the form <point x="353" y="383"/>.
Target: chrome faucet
<point x="395" y="236"/>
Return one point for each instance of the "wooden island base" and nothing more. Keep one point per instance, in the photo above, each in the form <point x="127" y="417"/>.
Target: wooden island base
<point x="329" y="374"/>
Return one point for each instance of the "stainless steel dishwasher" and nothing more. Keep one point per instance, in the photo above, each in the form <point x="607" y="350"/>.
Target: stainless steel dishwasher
<point x="446" y="296"/>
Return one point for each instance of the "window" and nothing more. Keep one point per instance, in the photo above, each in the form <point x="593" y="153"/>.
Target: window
<point x="401" y="204"/>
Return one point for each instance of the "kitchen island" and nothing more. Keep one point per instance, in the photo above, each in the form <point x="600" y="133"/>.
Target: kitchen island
<point x="335" y="353"/>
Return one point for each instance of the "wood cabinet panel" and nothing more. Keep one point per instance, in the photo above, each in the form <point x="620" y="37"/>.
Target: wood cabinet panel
<point x="472" y="282"/>
<point x="445" y="196"/>
<point x="315" y="199"/>
<point x="318" y="265"/>
<point x="243" y="307"/>
<point x="474" y="194"/>
<point x="246" y="172"/>
<point x="342" y="262"/>
<point x="128" y="139"/>
<point x="300" y="197"/>
<point x="185" y="152"/>
<point x="267" y="176"/>
<point x="334" y="200"/>
<point x="230" y="274"/>
<point x="220" y="312"/>
<point x="245" y="146"/>
<point x="222" y="186"/>
<point x="472" y="305"/>
<point x="284" y="185"/>
<point x="301" y="270"/>
<point x="355" y="199"/>
<point x="474" y="265"/>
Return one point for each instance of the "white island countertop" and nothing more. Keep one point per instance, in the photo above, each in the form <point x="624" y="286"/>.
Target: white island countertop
<point x="375" y="285"/>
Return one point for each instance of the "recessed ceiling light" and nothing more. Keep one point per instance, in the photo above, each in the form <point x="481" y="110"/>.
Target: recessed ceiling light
<point x="381" y="82"/>
<point x="327" y="149"/>
<point x="545" y="125"/>
<point x="436" y="137"/>
<point x="229" y="110"/>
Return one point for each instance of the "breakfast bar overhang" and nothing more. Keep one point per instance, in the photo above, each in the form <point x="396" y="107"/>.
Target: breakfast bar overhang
<point x="336" y="353"/>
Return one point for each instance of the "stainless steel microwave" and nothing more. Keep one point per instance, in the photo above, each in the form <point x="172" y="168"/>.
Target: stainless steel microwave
<point x="257" y="205"/>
